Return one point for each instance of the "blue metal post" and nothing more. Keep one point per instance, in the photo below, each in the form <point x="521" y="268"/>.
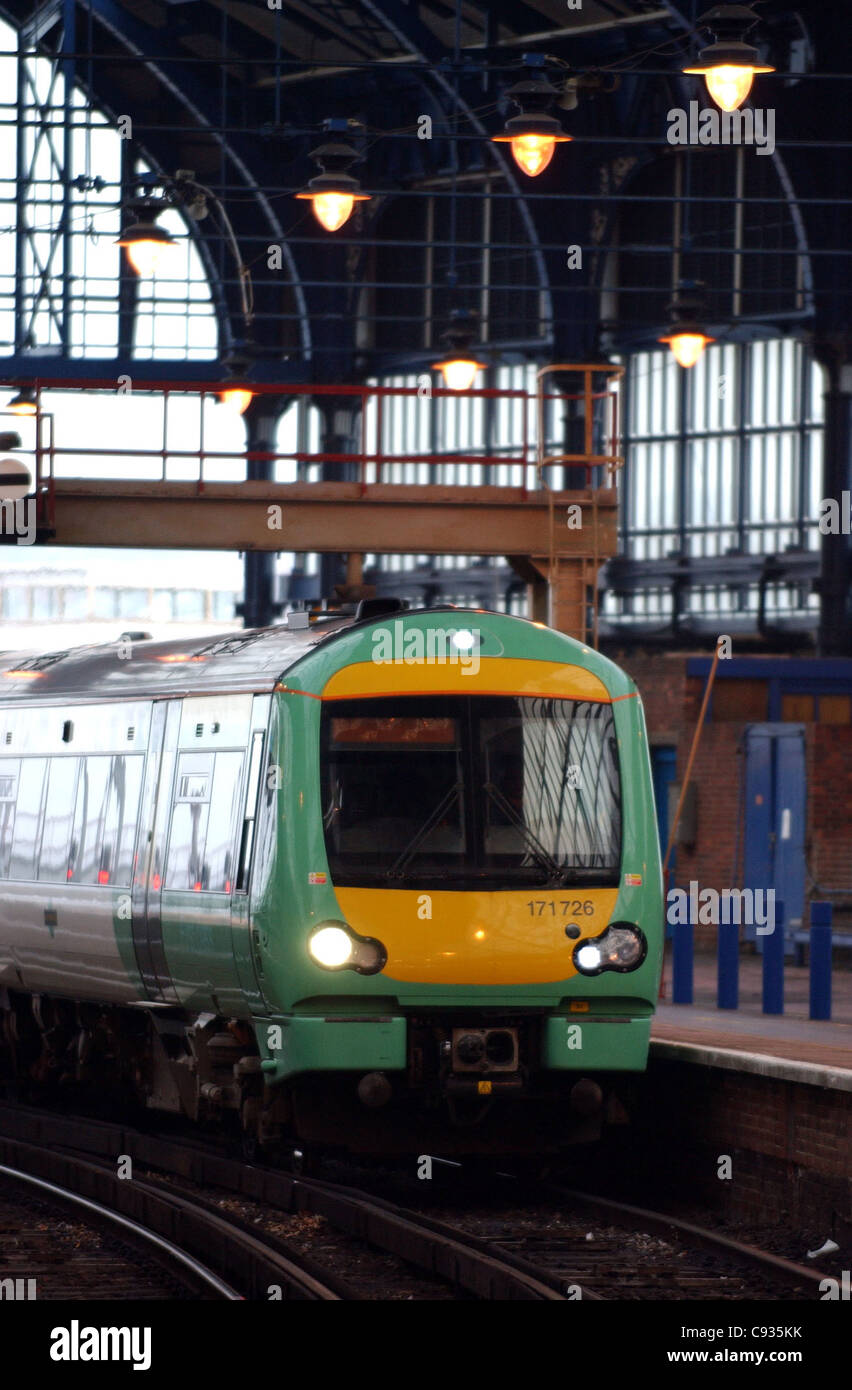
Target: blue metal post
<point x="728" y="965"/>
<point x="773" y="965"/>
<point x="682" y="962"/>
<point x="820" y="963"/>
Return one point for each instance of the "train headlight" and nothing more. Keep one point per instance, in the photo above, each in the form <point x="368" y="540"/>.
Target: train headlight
<point x="335" y="946"/>
<point x="588" y="958"/>
<point x="331" y="947"/>
<point x="621" y="947"/>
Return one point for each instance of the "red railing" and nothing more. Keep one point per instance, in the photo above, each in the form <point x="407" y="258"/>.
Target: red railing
<point x="594" y="406"/>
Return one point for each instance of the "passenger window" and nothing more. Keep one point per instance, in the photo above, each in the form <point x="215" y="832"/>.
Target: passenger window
<point x="204" y="822"/>
<point x="10" y="770"/>
<point x="58" y="816"/>
<point x="106" y="820"/>
<point x="89" y="820"/>
<point x="222" y="823"/>
<point x="28" y="810"/>
<point x="122" y="817"/>
<point x="185" y="867"/>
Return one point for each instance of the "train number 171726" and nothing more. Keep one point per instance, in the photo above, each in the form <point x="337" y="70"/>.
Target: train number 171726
<point x="540" y="907"/>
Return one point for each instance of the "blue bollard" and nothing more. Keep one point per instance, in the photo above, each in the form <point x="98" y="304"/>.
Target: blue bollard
<point x="728" y="965"/>
<point x="682" y="963"/>
<point x="773" y="965"/>
<point x="820" y="962"/>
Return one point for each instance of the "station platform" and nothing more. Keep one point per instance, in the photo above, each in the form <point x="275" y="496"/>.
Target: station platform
<point x="789" y="1046"/>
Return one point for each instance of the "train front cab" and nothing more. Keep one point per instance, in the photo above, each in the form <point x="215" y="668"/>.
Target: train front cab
<point x="471" y="892"/>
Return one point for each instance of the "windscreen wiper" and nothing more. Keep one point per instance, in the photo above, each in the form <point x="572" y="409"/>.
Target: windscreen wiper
<point x="397" y="867"/>
<point x="544" y="860"/>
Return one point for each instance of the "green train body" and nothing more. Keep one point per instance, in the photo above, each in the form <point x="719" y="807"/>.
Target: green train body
<point x="459" y="800"/>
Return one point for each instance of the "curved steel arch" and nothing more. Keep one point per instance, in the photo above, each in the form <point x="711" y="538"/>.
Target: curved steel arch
<point x="413" y="36"/>
<point x="134" y="36"/>
<point x="781" y="170"/>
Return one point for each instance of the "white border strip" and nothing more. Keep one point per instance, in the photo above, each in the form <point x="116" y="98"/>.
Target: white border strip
<point x="758" y="1063"/>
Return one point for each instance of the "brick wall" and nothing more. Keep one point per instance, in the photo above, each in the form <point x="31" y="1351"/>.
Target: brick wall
<point x="789" y="1144"/>
<point x="672" y="702"/>
<point x="830" y="805"/>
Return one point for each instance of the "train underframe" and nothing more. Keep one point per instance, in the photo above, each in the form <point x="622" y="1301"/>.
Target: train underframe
<point x="471" y="1085"/>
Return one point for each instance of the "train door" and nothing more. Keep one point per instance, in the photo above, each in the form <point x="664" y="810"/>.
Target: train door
<point x="146" y="896"/>
<point x="663" y="768"/>
<point x="200" y="864"/>
<point x="775" y="809"/>
<point x="241" y="925"/>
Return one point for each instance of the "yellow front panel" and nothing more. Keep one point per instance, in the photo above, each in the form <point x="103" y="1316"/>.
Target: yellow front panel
<point x="497" y="675"/>
<point x="477" y="938"/>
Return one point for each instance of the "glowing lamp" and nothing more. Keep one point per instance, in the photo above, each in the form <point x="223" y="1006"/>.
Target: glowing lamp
<point x="534" y="134"/>
<point x="687" y="347"/>
<point x="149" y="248"/>
<point x="728" y="65"/>
<point x="333" y="192"/>
<point x="686" y="336"/>
<point x="459" y="367"/>
<point x="24" y="403"/>
<point x="458" y="372"/>
<point x="332" y="209"/>
<point x="237" y="398"/>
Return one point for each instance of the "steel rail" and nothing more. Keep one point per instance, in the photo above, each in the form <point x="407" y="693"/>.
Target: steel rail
<point x="138" y="1233"/>
<point x="464" y="1260"/>
<point x="687" y="1232"/>
<point x="224" y="1243"/>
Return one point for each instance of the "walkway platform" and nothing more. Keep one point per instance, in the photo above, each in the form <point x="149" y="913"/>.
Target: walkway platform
<point x="789" y="1046"/>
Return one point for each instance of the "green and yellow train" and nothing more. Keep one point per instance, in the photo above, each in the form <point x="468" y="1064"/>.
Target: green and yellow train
<point x="387" y="881"/>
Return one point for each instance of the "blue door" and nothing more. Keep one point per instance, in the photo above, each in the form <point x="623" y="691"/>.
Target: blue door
<point x="775" y="809"/>
<point x="663" y="766"/>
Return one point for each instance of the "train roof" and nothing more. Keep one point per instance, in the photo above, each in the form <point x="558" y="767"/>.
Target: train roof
<point x="253" y="659"/>
<point x="250" y="660"/>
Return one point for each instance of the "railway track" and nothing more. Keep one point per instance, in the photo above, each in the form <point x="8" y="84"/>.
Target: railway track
<point x="532" y="1252"/>
<point x="219" y="1254"/>
<point x="613" y="1250"/>
<point x="55" y="1245"/>
<point x="41" y="1141"/>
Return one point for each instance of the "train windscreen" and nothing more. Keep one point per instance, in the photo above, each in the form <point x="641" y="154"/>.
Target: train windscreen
<point x="485" y="791"/>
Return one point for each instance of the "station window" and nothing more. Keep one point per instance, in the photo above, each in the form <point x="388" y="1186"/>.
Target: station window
<point x="162" y="606"/>
<point x="189" y="605"/>
<point x="834" y="709"/>
<point x="45" y="602"/>
<point x="75" y="605"/>
<point x="821" y="709"/>
<point x="223" y="604"/>
<point x="16" y="603"/>
<point x="204" y="820"/>
<point x="741" y="700"/>
<point x="103" y="604"/>
<point x="132" y="603"/>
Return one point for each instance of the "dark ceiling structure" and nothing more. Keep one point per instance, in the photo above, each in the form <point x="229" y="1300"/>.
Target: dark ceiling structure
<point x="238" y="94"/>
